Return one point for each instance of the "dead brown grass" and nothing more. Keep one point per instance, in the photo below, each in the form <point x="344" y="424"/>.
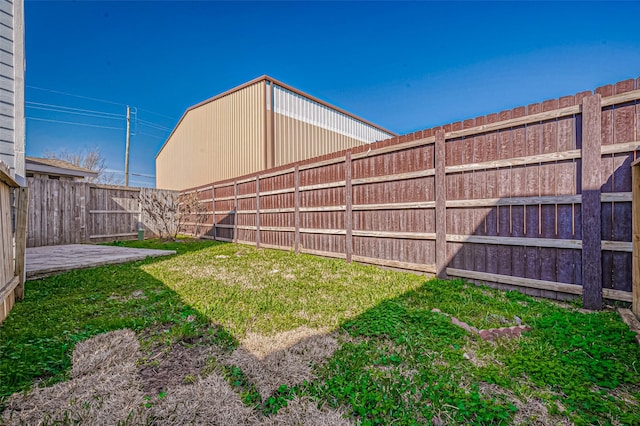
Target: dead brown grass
<point x="209" y="401"/>
<point x="531" y="411"/>
<point x="108" y="387"/>
<point x="286" y="358"/>
<point x="303" y="411"/>
<point x="138" y="294"/>
<point x="104" y="351"/>
<point x="261" y="346"/>
<point x="104" y="388"/>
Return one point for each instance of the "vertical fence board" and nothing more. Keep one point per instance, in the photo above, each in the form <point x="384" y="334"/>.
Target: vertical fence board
<point x="518" y="179"/>
<point x="479" y="188"/>
<point x="22" y="212"/>
<point x="348" y="214"/>
<point x="258" y="211"/>
<point x="505" y="151"/>
<point x="636" y="240"/>
<point x="591" y="238"/>
<point x="532" y="182"/>
<point x="566" y="185"/>
<point x="623" y="131"/>
<point x="548" y="256"/>
<point x="441" y="218"/>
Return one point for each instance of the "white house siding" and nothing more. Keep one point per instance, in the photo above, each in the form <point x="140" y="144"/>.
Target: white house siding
<point x="12" y="126"/>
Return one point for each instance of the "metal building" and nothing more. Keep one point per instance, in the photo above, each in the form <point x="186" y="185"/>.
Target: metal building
<point x="261" y="124"/>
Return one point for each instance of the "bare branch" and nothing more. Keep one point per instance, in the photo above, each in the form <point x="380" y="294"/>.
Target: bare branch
<point x="89" y="159"/>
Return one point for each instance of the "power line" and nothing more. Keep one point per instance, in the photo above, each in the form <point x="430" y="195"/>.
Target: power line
<point x="153" y="125"/>
<point x="158" y="114"/>
<point x="77" y="96"/>
<point x="150" y="135"/>
<point x="74" y="112"/>
<point x="74" y="123"/>
<point x="141" y="175"/>
<point x="120" y="172"/>
<point x="97" y="99"/>
<point x="73" y="109"/>
<point x="88" y="112"/>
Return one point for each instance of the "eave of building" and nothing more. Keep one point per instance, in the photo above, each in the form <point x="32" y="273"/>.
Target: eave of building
<point x="281" y="84"/>
<point x="58" y="171"/>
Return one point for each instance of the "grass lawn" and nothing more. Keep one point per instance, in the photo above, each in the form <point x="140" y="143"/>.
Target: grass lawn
<point x="392" y="358"/>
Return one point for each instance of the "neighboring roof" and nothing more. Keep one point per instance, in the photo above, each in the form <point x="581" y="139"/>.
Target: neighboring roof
<point x="56" y="166"/>
<point x="281" y="84"/>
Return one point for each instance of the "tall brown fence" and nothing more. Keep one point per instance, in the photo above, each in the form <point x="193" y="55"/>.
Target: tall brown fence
<point x="536" y="197"/>
<point x="68" y="212"/>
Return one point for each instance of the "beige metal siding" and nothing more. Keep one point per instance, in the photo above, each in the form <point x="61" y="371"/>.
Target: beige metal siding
<point x="215" y="141"/>
<point x="304" y="128"/>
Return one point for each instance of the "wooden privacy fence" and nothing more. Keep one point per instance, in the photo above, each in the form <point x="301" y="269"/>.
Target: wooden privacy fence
<point x="68" y="212"/>
<point x="536" y="197"/>
<point x="12" y="241"/>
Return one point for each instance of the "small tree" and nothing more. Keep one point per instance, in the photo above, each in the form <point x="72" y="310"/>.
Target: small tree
<point x="92" y="160"/>
<point x="168" y="213"/>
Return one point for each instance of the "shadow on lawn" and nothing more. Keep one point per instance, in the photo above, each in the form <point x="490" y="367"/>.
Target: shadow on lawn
<point x="37" y="338"/>
<point x="403" y="362"/>
<point x="396" y="362"/>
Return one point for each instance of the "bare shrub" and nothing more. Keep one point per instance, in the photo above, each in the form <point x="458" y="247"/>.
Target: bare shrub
<point x="168" y="213"/>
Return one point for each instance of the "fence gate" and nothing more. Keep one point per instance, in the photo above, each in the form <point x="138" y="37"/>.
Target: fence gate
<point x="12" y="257"/>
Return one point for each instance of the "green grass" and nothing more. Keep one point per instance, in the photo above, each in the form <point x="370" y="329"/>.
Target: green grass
<point x="399" y="362"/>
<point x="408" y="363"/>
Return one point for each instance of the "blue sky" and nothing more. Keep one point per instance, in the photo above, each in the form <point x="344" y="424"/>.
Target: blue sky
<point x="403" y="65"/>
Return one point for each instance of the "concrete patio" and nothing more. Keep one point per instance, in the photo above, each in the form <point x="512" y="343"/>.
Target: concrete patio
<point x="50" y="260"/>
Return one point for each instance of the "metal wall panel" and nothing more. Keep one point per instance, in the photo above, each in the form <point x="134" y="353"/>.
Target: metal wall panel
<point x="304" y="128"/>
<point x="215" y="141"/>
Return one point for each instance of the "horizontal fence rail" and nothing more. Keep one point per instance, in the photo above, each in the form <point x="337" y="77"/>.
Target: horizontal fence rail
<point x="538" y="197"/>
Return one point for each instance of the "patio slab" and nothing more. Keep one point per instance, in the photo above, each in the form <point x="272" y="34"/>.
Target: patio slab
<point x="50" y="260"/>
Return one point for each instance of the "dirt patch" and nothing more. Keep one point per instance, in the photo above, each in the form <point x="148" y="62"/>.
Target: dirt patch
<point x="271" y="363"/>
<point x="531" y="411"/>
<point x="165" y="369"/>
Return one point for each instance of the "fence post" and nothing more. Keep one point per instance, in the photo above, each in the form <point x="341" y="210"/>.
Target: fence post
<point x="22" y="209"/>
<point x="441" y="212"/>
<point x="296" y="201"/>
<point x="591" y="206"/>
<point x="258" y="211"/>
<point x="635" y="223"/>
<point x="348" y="219"/>
<point x="85" y="200"/>
<point x="213" y="210"/>
<point x="235" y="212"/>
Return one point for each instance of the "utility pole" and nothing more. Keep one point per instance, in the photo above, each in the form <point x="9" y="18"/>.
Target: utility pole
<point x="126" y="158"/>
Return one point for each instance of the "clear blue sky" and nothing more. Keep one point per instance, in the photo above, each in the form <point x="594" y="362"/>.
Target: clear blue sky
<point x="403" y="65"/>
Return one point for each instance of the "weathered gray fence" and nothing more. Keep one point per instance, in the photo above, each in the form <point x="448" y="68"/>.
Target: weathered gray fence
<point x="537" y="197"/>
<point x="12" y="241"/>
<point x="67" y="212"/>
